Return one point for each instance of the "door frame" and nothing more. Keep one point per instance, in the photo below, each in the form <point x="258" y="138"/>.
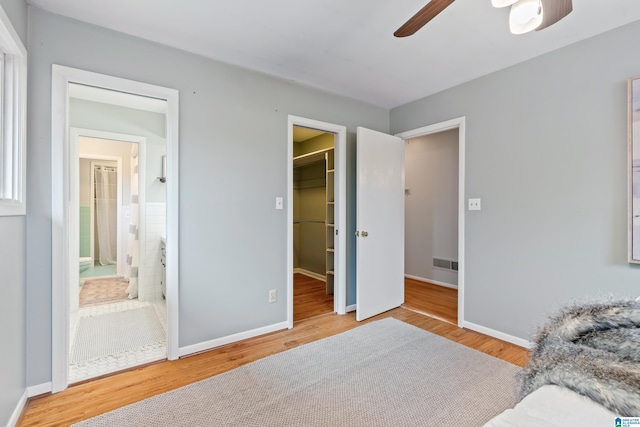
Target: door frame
<point x="74" y="197"/>
<point x="340" y="189"/>
<point x="457" y="123"/>
<point x="141" y="141"/>
<point x="61" y="146"/>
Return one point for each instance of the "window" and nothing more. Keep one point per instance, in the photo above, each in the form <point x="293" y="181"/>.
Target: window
<point x="13" y="88"/>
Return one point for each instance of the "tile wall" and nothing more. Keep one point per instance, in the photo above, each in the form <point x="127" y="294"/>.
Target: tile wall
<point x="156" y="224"/>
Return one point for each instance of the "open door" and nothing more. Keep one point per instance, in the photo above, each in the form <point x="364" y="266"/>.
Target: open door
<point x="379" y="223"/>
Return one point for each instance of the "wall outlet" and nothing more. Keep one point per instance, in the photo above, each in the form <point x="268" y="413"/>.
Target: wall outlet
<point x="474" y="205"/>
<point x="272" y="296"/>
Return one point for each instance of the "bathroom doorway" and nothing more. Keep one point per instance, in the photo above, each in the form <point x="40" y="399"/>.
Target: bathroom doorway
<point x="117" y="316"/>
<point x="157" y="197"/>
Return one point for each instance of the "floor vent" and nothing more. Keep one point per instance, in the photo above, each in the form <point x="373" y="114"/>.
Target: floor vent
<point x="446" y="264"/>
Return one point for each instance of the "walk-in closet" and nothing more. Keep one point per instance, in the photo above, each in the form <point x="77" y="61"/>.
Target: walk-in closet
<point x="313" y="221"/>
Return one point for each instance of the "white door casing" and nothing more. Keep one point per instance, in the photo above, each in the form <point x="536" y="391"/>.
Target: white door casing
<point x="340" y="188"/>
<point x="60" y="158"/>
<point x="379" y="223"/>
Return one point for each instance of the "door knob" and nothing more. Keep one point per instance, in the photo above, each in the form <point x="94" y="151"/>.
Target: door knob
<point x="364" y="234"/>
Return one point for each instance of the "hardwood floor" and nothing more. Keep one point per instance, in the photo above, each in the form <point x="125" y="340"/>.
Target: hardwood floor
<point x="310" y="297"/>
<point x="433" y="300"/>
<point x="310" y="302"/>
<point x="89" y="399"/>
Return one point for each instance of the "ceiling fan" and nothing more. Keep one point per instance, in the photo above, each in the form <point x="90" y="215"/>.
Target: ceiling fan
<point x="525" y="15"/>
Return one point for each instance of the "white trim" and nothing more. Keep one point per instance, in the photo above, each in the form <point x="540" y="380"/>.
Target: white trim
<point x="37" y="390"/>
<point x="15" y="415"/>
<point x="340" y="188"/>
<point x="61" y="77"/>
<point x="208" y="345"/>
<point x="309" y="274"/>
<point x="351" y="308"/>
<point x="431" y="281"/>
<point x="14" y="116"/>
<point x="458" y="123"/>
<point x="499" y="335"/>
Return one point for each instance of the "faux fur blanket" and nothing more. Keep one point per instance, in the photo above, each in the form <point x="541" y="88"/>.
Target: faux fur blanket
<point x="592" y="349"/>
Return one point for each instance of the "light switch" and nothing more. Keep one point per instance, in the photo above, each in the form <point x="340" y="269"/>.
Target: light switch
<point x="474" y="204"/>
<point x="279" y="203"/>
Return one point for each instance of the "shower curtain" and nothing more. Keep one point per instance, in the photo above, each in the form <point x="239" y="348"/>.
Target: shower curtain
<point x="106" y="212"/>
<point x="131" y="272"/>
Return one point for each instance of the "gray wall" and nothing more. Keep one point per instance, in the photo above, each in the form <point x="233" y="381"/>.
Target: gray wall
<point x="546" y="150"/>
<point x="12" y="266"/>
<point x="310" y="208"/>
<point x="232" y="240"/>
<point x="431" y="208"/>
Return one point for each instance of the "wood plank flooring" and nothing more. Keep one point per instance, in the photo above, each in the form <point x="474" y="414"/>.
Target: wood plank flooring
<point x="310" y="297"/>
<point x="310" y="301"/>
<point x="433" y="300"/>
<point x="89" y="399"/>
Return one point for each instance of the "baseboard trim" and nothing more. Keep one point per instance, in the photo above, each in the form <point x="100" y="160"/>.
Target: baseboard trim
<point x="17" y="412"/>
<point x="37" y="390"/>
<point x="310" y="274"/>
<point x="434" y="282"/>
<point x="208" y="345"/>
<point x="351" y="308"/>
<point x="497" y="334"/>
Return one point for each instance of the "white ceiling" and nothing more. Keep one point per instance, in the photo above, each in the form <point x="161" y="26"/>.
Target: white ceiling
<point x="347" y="46"/>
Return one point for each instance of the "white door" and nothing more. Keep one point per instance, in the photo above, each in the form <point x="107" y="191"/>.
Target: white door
<point x="379" y="223"/>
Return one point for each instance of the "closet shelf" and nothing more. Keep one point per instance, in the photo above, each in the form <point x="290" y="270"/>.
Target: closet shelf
<point x="310" y="221"/>
<point x="331" y="225"/>
<point x="330" y="272"/>
<point x="330" y="250"/>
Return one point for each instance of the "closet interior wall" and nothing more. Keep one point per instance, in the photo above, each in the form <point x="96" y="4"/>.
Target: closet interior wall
<point x="313" y="208"/>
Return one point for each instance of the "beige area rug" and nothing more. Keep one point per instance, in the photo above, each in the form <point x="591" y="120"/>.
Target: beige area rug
<point x="385" y="373"/>
<point x="104" y="290"/>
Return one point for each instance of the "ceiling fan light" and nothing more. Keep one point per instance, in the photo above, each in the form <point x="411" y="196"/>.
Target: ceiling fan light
<point x="502" y="3"/>
<point x="525" y="16"/>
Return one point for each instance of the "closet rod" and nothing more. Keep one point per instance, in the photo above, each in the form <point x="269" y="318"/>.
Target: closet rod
<point x="309" y="221"/>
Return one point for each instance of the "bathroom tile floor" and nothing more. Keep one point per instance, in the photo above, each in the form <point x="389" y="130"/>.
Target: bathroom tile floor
<point x="117" y="361"/>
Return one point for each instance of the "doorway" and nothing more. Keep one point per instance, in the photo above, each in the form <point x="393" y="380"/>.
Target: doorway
<point x="117" y="319"/>
<point x="431" y="225"/>
<point x="435" y="219"/>
<point x="143" y="283"/>
<point x="316" y="216"/>
<point x="313" y="222"/>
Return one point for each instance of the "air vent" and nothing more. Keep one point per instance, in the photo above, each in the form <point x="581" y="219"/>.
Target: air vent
<point x="442" y="263"/>
<point x="446" y="264"/>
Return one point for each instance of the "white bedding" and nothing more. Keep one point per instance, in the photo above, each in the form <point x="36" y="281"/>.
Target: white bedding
<point x="554" y="406"/>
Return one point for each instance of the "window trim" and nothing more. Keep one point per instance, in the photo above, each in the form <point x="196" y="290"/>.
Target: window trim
<point x="13" y="139"/>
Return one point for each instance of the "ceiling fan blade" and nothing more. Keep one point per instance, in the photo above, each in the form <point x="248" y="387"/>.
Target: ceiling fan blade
<point x="426" y="14"/>
<point x="553" y="11"/>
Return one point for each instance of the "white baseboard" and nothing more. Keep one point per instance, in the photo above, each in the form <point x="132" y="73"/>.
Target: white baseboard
<point x="435" y="282"/>
<point x="15" y="416"/>
<point x="208" y="345"/>
<point x="497" y="334"/>
<point x="310" y="274"/>
<point x="351" y="308"/>
<point x="37" y="390"/>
